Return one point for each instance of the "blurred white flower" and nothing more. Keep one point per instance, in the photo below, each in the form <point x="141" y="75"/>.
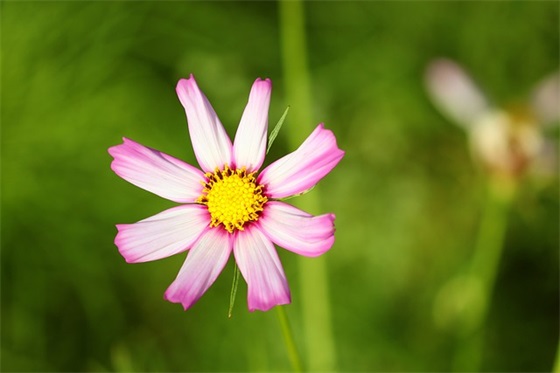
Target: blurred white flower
<point x="506" y="142"/>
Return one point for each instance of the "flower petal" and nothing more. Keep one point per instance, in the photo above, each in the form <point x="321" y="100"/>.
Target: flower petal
<point x="205" y="261"/>
<point x="545" y="98"/>
<point x="296" y="230"/>
<point x="167" y="233"/>
<point x="303" y="168"/>
<point x="453" y="91"/>
<point x="211" y="144"/>
<point x="260" y="266"/>
<point x="249" y="146"/>
<point x="156" y="172"/>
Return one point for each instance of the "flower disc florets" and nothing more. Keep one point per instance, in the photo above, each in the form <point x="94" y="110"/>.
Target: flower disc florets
<point x="233" y="198"/>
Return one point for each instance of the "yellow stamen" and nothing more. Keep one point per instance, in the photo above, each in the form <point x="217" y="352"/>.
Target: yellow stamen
<point x="233" y="198"/>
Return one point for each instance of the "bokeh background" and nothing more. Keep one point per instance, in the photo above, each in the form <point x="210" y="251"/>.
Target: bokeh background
<point x="77" y="76"/>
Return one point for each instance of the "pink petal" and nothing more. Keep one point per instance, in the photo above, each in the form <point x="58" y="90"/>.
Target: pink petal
<point x="545" y="99"/>
<point x="204" y="263"/>
<point x="211" y="144"/>
<point x="167" y="233"/>
<point x="296" y="230"/>
<point x="455" y="93"/>
<point x="249" y="146"/>
<point x="156" y="172"/>
<point x="302" y="169"/>
<point x="260" y="266"/>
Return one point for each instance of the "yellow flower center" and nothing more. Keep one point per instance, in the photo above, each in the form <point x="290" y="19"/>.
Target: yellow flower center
<point x="233" y="198"/>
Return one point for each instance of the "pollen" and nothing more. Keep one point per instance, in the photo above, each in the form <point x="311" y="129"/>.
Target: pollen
<point x="233" y="198"/>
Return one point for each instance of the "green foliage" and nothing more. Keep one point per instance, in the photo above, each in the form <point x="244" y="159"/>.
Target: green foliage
<point x="77" y="76"/>
<point x="276" y="129"/>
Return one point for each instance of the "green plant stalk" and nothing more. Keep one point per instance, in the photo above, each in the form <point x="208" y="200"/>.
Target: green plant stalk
<point x="320" y="353"/>
<point x="484" y="269"/>
<point x="293" y="353"/>
<point x="556" y="368"/>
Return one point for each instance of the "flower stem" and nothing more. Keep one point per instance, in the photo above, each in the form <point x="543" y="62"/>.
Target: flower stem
<point x="483" y="271"/>
<point x="556" y="368"/>
<point x="320" y="352"/>
<point x="289" y="339"/>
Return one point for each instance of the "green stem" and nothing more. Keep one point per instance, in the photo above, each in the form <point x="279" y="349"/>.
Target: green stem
<point x="556" y="368"/>
<point x="320" y="352"/>
<point x="491" y="236"/>
<point x="289" y="339"/>
<point x="482" y="273"/>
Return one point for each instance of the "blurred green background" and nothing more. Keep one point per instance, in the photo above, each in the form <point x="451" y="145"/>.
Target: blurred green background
<point x="77" y="76"/>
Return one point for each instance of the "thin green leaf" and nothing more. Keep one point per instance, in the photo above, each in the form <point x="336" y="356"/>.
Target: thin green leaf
<point x="234" y="285"/>
<point x="276" y="129"/>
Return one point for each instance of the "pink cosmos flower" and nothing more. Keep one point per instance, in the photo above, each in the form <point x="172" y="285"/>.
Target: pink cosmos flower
<point x="226" y="207"/>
